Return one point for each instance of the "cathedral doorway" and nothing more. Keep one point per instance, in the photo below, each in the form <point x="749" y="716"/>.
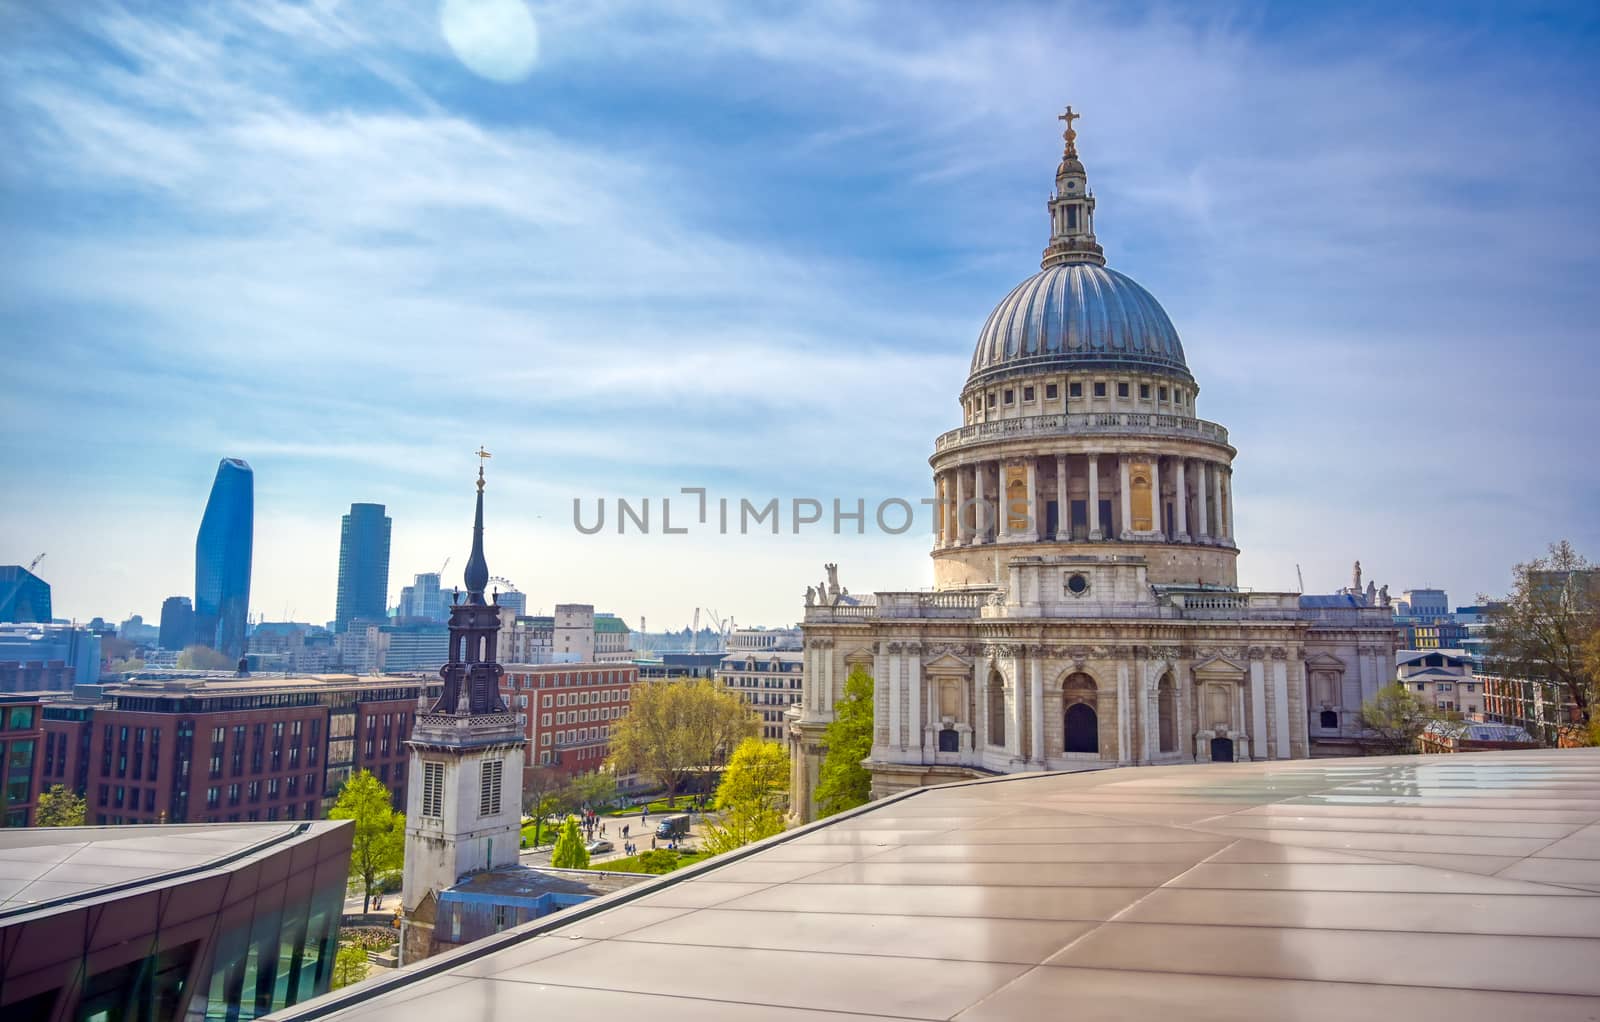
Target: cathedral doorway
<point x="949" y="740"/>
<point x="1083" y="729"/>
<point x="1329" y="720"/>
<point x="1222" y="750"/>
<point x="1081" y="724"/>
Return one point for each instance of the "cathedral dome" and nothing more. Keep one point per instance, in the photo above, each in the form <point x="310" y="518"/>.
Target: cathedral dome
<point x="1077" y="316"/>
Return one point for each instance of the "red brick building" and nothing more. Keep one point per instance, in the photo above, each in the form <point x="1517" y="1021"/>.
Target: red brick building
<point x="567" y="710"/>
<point x="227" y="749"/>
<point x="20" y="741"/>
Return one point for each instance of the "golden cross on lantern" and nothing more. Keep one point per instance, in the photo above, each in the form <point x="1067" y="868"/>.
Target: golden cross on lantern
<point x="1069" y="117"/>
<point x="483" y="456"/>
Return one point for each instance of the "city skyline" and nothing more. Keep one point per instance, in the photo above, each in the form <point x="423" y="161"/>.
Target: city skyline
<point x="698" y="286"/>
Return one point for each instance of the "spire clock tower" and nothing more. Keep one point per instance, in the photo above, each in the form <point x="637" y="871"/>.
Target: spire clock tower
<point x="464" y="801"/>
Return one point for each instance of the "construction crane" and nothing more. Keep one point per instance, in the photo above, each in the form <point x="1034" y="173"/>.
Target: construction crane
<point x="443" y="566"/>
<point x="694" y="633"/>
<point x="1301" y="576"/>
<point x="723" y="626"/>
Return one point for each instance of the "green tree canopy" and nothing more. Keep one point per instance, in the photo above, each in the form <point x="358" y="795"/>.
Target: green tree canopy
<point x="1544" y="627"/>
<point x="842" y="782"/>
<point x="204" y="658"/>
<point x="1393" y="719"/>
<point x="569" y="852"/>
<point x="595" y="789"/>
<point x="751" y="797"/>
<point x="349" y="965"/>
<point x="673" y="729"/>
<point x="60" y="807"/>
<point x="542" y="796"/>
<point x="379" y="844"/>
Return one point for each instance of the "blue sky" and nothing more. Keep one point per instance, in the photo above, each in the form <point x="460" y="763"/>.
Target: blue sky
<point x="750" y="248"/>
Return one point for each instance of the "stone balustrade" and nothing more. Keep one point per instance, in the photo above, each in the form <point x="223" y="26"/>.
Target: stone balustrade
<point x="989" y="602"/>
<point x="1138" y="424"/>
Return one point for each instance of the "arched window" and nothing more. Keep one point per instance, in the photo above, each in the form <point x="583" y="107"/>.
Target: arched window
<point x="1167" y="714"/>
<point x="997" y="710"/>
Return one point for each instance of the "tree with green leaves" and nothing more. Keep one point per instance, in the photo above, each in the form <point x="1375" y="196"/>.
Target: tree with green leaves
<point x="379" y="843"/>
<point x="569" y="852"/>
<point x="842" y="782"/>
<point x="1393" y="719"/>
<point x="595" y="789"/>
<point x="752" y="796"/>
<point x="60" y="807"/>
<point x="350" y="965"/>
<point x="674" y="729"/>
<point x="542" y="796"/>
<point x="204" y="658"/>
<point x="1544" y="629"/>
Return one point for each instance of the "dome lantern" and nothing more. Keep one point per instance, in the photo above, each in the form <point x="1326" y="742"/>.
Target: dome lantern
<point x="1071" y="208"/>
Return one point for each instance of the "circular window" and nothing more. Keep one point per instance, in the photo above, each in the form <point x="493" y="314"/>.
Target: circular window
<point x="1078" y="584"/>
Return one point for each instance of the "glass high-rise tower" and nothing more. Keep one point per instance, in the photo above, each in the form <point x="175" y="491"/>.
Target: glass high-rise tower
<point x="222" y="560"/>
<point x="363" y="566"/>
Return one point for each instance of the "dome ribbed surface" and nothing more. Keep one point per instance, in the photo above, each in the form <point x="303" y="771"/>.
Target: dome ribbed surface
<point x="1078" y="315"/>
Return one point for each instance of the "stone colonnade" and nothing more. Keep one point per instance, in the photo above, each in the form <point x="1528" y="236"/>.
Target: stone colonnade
<point x="1098" y="498"/>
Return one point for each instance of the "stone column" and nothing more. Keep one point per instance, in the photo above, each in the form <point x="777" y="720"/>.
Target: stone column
<point x="827" y="675"/>
<point x="1216" y="503"/>
<point x="1034" y="523"/>
<point x="1201" y="531"/>
<point x="914" y="711"/>
<point x="1258" y="710"/>
<point x="1181" y="512"/>
<point x="1036" y="708"/>
<point x="1127" y="497"/>
<point x="1003" y="500"/>
<point x="896" y="742"/>
<point x="1158" y="517"/>
<point x="1063" y="509"/>
<point x="1227" y="510"/>
<point x="980" y="705"/>
<point x="962" y="538"/>
<point x="1014" y="732"/>
<point x="938" y="511"/>
<point x="1122" y="713"/>
<point x="1096" y="533"/>
<point x="980" y="514"/>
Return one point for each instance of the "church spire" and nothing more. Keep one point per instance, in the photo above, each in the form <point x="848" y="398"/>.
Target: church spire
<point x="1071" y="207"/>
<point x="477" y="573"/>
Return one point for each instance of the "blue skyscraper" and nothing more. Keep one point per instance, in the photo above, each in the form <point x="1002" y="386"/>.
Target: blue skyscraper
<point x="363" y="567"/>
<point x="222" y="560"/>
<point x="177" y="623"/>
<point x="24" y="596"/>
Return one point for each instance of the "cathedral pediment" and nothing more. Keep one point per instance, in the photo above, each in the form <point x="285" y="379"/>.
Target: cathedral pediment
<point x="947" y="658"/>
<point x="1324" y="662"/>
<point x="1219" y="667"/>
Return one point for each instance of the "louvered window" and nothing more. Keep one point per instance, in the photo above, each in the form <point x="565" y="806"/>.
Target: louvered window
<point x="489" y="788"/>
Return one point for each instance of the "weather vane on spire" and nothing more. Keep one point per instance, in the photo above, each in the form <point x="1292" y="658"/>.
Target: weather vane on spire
<point x="483" y="456"/>
<point x="1069" y="136"/>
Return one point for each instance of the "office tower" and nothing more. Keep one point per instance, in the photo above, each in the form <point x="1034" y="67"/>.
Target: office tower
<point x="363" y="566"/>
<point x="177" y="623"/>
<point x="24" y="596"/>
<point x="424" y="599"/>
<point x="222" y="560"/>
